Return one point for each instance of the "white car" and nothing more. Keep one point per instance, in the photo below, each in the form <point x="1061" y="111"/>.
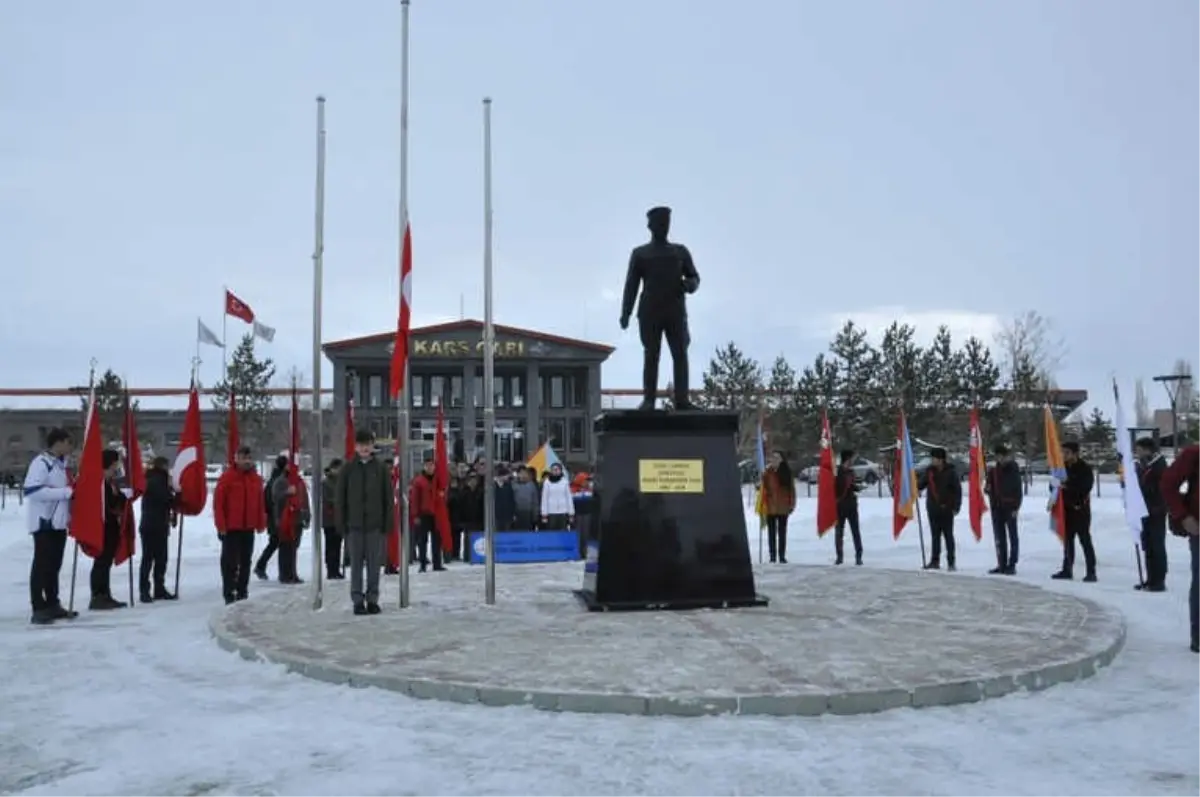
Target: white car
<point x="864" y="471"/>
<point x="212" y="472"/>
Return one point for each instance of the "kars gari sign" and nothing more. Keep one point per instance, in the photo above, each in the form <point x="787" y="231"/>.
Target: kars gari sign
<point x="671" y="475"/>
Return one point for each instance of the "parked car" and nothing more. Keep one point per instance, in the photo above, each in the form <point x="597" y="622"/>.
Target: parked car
<point x="865" y="471"/>
<point x="212" y="472"/>
<point x="748" y="471"/>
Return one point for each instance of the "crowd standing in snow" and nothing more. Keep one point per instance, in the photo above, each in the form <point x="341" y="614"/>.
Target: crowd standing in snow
<point x="359" y="516"/>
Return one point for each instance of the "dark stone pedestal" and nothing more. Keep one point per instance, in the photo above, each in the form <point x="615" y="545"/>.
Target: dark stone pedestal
<point x="669" y="524"/>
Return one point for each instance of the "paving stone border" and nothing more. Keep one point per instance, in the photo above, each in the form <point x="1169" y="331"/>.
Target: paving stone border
<point x="877" y="640"/>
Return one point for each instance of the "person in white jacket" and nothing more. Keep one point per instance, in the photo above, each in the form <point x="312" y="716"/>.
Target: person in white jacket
<point x="558" y="507"/>
<point x="48" y="512"/>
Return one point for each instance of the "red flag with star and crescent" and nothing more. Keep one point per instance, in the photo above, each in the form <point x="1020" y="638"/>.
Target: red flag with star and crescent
<point x="403" y="324"/>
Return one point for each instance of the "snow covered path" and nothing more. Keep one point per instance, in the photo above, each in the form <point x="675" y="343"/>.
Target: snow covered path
<point x="142" y="701"/>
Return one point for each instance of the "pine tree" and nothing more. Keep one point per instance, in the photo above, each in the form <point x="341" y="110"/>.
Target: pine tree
<point x="899" y="380"/>
<point x="110" y="406"/>
<point x="782" y="405"/>
<point x="250" y="379"/>
<point x="816" y="390"/>
<point x="1099" y="431"/>
<point x="734" y="381"/>
<point x="980" y="383"/>
<point x="852" y="416"/>
<point x="941" y="413"/>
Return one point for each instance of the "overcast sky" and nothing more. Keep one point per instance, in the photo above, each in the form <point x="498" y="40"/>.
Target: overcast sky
<point x="953" y="162"/>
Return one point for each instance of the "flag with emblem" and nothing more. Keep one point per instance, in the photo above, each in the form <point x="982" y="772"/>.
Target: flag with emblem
<point x="760" y="459"/>
<point x="403" y="324"/>
<point x="1058" y="473"/>
<point x="904" y="489"/>
<point x="976" y="473"/>
<point x="827" y="514"/>
<point x="237" y="308"/>
<point x="187" y="472"/>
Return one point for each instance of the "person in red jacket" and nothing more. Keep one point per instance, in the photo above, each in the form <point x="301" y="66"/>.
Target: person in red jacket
<point x="1185" y="519"/>
<point x="421" y="497"/>
<point x="239" y="510"/>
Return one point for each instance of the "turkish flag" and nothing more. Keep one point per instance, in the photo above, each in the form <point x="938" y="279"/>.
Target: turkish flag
<point x="299" y="497"/>
<point x="441" y="483"/>
<point x="187" y="474"/>
<point x="404" y="323"/>
<point x="237" y="308"/>
<point x="86" y="526"/>
<point x="827" y="514"/>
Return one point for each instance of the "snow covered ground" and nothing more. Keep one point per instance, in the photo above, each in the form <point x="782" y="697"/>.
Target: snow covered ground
<point x="142" y="701"/>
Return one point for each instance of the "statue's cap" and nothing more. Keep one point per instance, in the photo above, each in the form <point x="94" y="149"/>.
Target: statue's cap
<point x="659" y="212"/>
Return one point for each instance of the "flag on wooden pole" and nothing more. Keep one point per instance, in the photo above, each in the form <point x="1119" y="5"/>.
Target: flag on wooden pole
<point x="977" y="472"/>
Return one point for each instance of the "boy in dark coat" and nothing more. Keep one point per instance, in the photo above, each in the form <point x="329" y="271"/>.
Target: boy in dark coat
<point x="333" y="536"/>
<point x="1005" y="489"/>
<point x="278" y="472"/>
<point x="845" y="489"/>
<point x="158" y="515"/>
<point x="943" y="500"/>
<point x="1149" y="468"/>
<point x="1077" y="503"/>
<point x="115" y="501"/>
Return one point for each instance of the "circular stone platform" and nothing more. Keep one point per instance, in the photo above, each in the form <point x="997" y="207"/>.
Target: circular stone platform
<point x="841" y="640"/>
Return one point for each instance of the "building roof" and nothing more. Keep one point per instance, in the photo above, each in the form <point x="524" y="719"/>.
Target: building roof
<point x="468" y="325"/>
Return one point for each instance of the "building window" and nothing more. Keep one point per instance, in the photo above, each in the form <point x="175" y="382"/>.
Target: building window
<point x="375" y="390"/>
<point x="437" y="391"/>
<point x="498" y="383"/>
<point x="575" y="435"/>
<point x="558" y="433"/>
<point x="353" y="386"/>
<point x="558" y="397"/>
<point x="516" y="391"/>
<point x="416" y="389"/>
<point x="578" y="390"/>
<point x="456" y="391"/>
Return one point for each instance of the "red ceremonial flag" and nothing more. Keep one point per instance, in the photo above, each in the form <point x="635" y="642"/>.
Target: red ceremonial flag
<point x="237" y="308"/>
<point x="350" y="429"/>
<point x="187" y="473"/>
<point x="233" y="439"/>
<point x="977" y="472"/>
<point x="441" y="483"/>
<point x="135" y="480"/>
<point x="827" y="514"/>
<point x="296" y="501"/>
<point x="87" y="498"/>
<point x="400" y="348"/>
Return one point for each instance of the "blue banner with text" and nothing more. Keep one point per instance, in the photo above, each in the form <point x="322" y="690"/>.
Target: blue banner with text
<point x="517" y="547"/>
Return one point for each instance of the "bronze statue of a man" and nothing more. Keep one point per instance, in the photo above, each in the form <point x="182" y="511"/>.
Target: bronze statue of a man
<point x="665" y="274"/>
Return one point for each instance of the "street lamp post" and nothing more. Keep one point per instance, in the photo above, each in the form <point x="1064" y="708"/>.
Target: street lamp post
<point x="1172" y="383"/>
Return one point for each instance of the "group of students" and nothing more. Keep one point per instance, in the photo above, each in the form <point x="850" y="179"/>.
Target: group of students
<point x="1169" y="492"/>
<point x="48" y="490"/>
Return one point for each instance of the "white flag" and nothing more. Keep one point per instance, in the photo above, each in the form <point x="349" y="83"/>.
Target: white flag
<point x="1131" y="490"/>
<point x="207" y="336"/>
<point x="263" y="331"/>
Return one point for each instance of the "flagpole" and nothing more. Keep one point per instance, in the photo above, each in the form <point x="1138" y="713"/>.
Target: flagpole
<point x="489" y="366"/>
<point x="224" y="337"/>
<point x="75" y="550"/>
<point x="127" y="516"/>
<point x="402" y="431"/>
<point x="181" y="516"/>
<point x="197" y="359"/>
<point x="318" y="432"/>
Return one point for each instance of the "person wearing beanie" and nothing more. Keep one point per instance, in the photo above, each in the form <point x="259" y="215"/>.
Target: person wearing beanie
<point x="1076" y="491"/>
<point x="846" y="492"/>
<point x="279" y="471"/>
<point x="115" y="502"/>
<point x="154" y="527"/>
<point x="333" y="537"/>
<point x="943" y="500"/>
<point x="1005" y="488"/>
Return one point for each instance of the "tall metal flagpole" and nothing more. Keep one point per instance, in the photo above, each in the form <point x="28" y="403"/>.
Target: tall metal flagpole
<point x="489" y="364"/>
<point x="402" y="431"/>
<point x="224" y="335"/>
<point x="317" y="432"/>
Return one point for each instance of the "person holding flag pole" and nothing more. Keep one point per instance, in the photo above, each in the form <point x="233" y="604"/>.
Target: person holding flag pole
<point x="904" y="488"/>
